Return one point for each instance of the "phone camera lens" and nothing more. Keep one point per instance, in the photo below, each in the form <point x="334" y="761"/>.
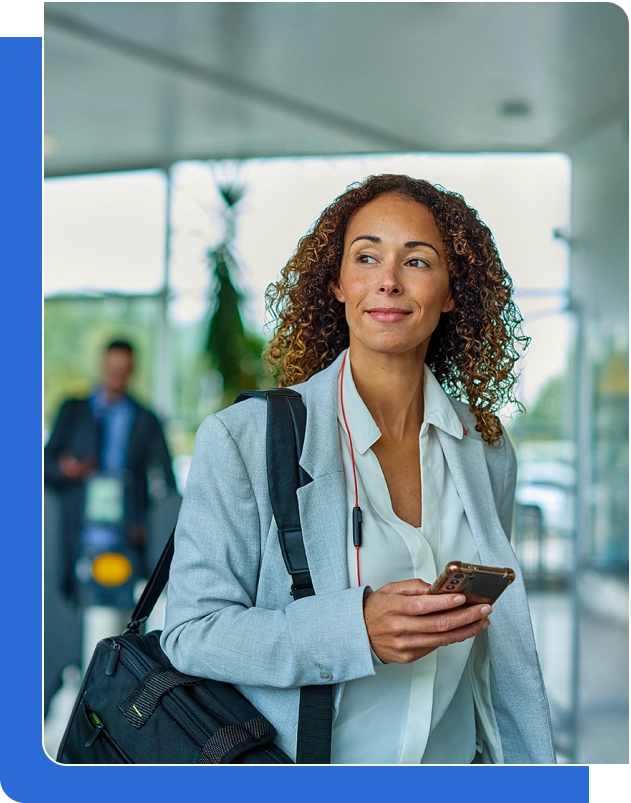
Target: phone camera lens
<point x="455" y="582"/>
<point x="459" y="576"/>
<point x="450" y="588"/>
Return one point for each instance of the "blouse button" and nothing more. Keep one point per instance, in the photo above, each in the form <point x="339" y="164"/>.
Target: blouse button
<point x="326" y="675"/>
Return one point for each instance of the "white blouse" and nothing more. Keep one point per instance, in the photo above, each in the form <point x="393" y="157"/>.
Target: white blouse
<point x="426" y="711"/>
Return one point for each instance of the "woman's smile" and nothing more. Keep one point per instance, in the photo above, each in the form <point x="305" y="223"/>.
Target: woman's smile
<point x="388" y="314"/>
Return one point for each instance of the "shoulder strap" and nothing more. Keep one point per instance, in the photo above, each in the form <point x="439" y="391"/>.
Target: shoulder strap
<point x="286" y="423"/>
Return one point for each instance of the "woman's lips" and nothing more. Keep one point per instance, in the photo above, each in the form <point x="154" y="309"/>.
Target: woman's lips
<point x="388" y="314"/>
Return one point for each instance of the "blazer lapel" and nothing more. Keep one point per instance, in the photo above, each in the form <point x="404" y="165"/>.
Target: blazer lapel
<point x="467" y="464"/>
<point x="322" y="503"/>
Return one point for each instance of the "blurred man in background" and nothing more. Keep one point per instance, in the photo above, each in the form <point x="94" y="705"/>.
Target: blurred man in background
<point x="101" y="456"/>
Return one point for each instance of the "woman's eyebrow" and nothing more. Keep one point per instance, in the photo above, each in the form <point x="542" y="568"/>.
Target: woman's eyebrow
<point x="410" y="244"/>
<point x="370" y="237"/>
<point x="416" y="243"/>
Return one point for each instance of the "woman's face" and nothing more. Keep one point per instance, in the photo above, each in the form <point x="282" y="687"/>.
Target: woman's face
<point x="394" y="279"/>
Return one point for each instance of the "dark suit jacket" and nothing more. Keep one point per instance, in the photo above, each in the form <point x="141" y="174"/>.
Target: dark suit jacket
<point x="76" y="433"/>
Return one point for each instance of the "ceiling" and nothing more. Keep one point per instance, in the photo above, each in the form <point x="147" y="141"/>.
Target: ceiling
<point x="131" y="85"/>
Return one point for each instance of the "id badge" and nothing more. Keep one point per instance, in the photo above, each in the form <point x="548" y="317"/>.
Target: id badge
<point x="105" y="499"/>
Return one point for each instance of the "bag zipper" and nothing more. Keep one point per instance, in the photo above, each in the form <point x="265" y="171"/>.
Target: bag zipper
<point x="99" y="731"/>
<point x="99" y="727"/>
<point x="112" y="660"/>
<point x="139" y="667"/>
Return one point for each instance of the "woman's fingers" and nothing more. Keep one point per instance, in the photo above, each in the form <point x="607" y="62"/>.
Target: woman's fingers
<point x="445" y="621"/>
<point x="410" y="587"/>
<point x="401" y="623"/>
<point x="417" y="604"/>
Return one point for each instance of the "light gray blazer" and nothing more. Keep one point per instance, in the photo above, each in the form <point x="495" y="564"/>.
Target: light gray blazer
<point x="229" y="612"/>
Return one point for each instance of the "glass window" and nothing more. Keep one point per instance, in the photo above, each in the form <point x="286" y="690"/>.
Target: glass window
<point x="104" y="233"/>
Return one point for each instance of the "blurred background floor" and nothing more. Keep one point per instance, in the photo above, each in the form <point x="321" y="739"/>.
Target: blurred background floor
<point x="602" y="723"/>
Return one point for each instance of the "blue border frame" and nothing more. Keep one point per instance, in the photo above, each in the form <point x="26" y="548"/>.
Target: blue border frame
<point x="26" y="773"/>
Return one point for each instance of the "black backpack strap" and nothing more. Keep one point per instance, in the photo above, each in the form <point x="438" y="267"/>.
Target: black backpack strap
<point x="286" y="422"/>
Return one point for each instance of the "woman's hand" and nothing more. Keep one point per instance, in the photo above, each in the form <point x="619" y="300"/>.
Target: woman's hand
<point x="404" y="622"/>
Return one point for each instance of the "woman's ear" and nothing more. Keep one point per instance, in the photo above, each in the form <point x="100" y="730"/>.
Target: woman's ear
<point x="449" y="303"/>
<point x="336" y="290"/>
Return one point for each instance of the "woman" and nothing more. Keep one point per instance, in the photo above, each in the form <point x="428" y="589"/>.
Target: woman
<point x="396" y="296"/>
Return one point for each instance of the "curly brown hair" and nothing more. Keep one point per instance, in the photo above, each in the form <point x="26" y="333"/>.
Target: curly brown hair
<point x="473" y="350"/>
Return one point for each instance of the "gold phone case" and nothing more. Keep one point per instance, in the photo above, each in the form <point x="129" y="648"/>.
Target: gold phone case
<point x="478" y="583"/>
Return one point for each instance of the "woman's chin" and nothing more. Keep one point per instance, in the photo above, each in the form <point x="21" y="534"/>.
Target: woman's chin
<point x="388" y="344"/>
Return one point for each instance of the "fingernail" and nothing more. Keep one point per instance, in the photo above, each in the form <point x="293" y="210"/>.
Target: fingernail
<point x="486" y="609"/>
<point x="459" y="599"/>
<point x="485" y="624"/>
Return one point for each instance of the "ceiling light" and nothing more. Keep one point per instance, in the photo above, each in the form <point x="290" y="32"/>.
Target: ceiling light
<point x="515" y="108"/>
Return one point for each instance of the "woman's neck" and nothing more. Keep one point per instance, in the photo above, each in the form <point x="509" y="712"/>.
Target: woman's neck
<point x="391" y="387"/>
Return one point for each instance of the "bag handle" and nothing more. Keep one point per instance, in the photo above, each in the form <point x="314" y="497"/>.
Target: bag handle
<point x="153" y="589"/>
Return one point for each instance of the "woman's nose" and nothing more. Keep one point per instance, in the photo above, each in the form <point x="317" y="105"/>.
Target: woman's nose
<point x="389" y="281"/>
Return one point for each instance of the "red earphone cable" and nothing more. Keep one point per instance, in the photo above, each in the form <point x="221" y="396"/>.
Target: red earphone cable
<point x="348" y="432"/>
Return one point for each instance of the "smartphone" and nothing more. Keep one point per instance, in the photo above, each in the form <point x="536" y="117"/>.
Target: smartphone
<point x="479" y="584"/>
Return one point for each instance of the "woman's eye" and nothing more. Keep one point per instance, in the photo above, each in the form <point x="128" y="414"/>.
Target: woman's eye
<point x="365" y="259"/>
<point x="417" y="262"/>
